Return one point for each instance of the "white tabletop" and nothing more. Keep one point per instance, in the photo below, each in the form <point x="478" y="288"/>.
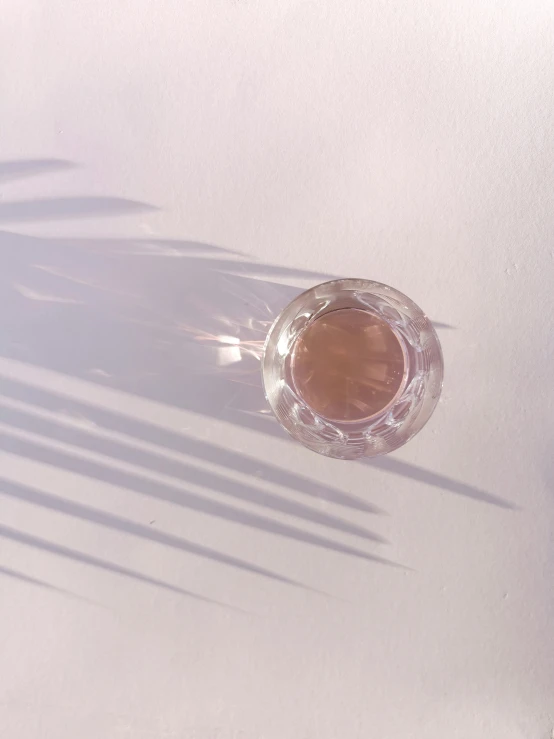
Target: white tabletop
<point x="171" y="564"/>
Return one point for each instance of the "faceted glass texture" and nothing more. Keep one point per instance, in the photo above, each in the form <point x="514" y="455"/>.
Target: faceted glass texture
<point x="352" y="368"/>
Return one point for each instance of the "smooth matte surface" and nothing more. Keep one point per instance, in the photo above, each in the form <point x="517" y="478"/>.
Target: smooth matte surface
<point x="171" y="174"/>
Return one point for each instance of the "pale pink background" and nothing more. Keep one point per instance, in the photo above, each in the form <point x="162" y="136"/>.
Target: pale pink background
<point x="171" y="173"/>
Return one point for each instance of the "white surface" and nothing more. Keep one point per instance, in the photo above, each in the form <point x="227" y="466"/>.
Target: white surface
<point x="406" y="142"/>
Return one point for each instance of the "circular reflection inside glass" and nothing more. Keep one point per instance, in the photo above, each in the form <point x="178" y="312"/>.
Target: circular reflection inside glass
<point x="348" y="365"/>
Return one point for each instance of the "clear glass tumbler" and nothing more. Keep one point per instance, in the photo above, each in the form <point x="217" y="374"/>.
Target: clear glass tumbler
<point x="352" y="368"/>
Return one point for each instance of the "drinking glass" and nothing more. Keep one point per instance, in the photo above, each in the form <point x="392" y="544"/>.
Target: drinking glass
<point x="352" y="368"/>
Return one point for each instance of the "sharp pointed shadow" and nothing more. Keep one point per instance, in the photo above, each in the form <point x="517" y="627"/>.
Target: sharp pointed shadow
<point x="116" y="422"/>
<point x="43" y="545"/>
<point x="179" y="322"/>
<point x="46" y="209"/>
<point x="147" y="461"/>
<point x="166" y="341"/>
<point x="7" y="572"/>
<point x="18" y="168"/>
<point x="411" y="471"/>
<point x="185" y="330"/>
<point x="111" y="521"/>
<point x="160" y="491"/>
